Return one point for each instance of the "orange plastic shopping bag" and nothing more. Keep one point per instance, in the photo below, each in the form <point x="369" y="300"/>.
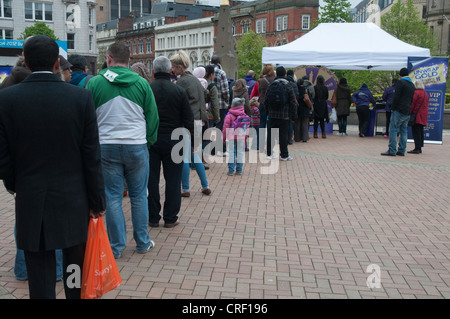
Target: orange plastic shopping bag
<point x="100" y="272"/>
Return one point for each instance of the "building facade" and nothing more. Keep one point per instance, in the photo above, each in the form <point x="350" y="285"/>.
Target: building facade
<point x="193" y="28"/>
<point x="71" y="20"/>
<point x="166" y="29"/>
<point x="280" y="22"/>
<point x="108" y="10"/>
<point x="438" y="19"/>
<point x="195" y="37"/>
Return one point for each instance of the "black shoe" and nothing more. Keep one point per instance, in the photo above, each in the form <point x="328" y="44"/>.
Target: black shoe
<point x="400" y="154"/>
<point x="154" y="225"/>
<point x="291" y="142"/>
<point x="415" y="152"/>
<point x="387" y="154"/>
<point x="171" y="225"/>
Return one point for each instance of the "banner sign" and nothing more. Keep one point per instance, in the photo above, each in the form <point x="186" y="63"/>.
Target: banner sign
<point x="17" y="44"/>
<point x="4" y="72"/>
<point x="433" y="72"/>
<point x="331" y="82"/>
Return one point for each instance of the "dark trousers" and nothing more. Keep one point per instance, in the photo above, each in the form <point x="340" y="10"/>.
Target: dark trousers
<point x="263" y="123"/>
<point x="283" y="127"/>
<point x="301" y="129"/>
<point x="321" y="122"/>
<point x="417" y="133"/>
<point x="342" y="123"/>
<point x="364" y="118"/>
<point x="388" y="121"/>
<point x="160" y="153"/>
<point x="41" y="267"/>
<point x="223" y="113"/>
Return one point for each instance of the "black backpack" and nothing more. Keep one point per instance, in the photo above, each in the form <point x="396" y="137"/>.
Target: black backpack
<point x="276" y="94"/>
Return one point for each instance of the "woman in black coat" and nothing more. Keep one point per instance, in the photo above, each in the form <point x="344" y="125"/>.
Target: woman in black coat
<point x="301" y="127"/>
<point x="320" y="106"/>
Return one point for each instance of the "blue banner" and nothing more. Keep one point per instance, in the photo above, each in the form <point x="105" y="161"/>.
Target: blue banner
<point x="433" y="72"/>
<point x="17" y="44"/>
<point x="4" y="72"/>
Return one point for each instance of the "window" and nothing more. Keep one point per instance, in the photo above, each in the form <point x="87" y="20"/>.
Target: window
<point x="91" y="16"/>
<point x="6" y="34"/>
<point x="233" y="28"/>
<point x="245" y="27"/>
<point x="5" y="9"/>
<point x="148" y="43"/>
<point x="141" y="46"/>
<point x="114" y="9"/>
<point x="136" y="7"/>
<point x="282" y="23"/>
<point x="206" y="38"/>
<point x="306" y="22"/>
<point x="38" y="11"/>
<point x="261" y="25"/>
<point x="91" y="42"/>
<point x="70" y="41"/>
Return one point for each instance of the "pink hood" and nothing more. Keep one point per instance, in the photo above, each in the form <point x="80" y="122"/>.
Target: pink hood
<point x="232" y="114"/>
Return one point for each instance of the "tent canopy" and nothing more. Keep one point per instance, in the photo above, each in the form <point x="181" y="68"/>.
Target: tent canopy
<point x="345" y="46"/>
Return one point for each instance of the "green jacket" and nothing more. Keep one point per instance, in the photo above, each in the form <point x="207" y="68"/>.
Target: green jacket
<point x="125" y="106"/>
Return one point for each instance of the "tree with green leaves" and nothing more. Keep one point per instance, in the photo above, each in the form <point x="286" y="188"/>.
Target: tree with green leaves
<point x="334" y="11"/>
<point x="249" y="52"/>
<point x="36" y="29"/>
<point x="405" y="23"/>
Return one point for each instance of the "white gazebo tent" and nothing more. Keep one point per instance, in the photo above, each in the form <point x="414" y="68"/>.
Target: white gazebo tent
<point x="345" y="46"/>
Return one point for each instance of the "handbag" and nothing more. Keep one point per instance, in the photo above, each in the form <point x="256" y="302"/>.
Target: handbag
<point x="334" y="100"/>
<point x="100" y="273"/>
<point x="307" y="100"/>
<point x="412" y="116"/>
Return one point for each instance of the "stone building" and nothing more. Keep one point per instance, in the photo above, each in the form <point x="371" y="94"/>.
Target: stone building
<point x="280" y="22"/>
<point x="71" y="20"/>
<point x="438" y="18"/>
<point x="166" y="30"/>
<point x="435" y="13"/>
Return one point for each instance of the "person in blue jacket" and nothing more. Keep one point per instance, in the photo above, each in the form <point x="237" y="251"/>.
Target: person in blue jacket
<point x="362" y="98"/>
<point x="387" y="97"/>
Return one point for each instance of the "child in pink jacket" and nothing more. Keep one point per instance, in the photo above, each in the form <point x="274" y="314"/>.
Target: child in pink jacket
<point x="236" y="127"/>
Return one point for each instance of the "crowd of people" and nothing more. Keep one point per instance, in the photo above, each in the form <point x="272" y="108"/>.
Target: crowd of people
<point x="71" y="143"/>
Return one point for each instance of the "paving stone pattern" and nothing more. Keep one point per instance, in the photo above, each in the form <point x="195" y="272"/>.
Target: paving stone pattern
<point x="308" y="231"/>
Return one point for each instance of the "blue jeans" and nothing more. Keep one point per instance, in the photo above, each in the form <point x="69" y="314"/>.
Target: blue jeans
<point x="190" y="157"/>
<point x="236" y="155"/>
<point x="20" y="268"/>
<point x="129" y="162"/>
<point x="398" y="124"/>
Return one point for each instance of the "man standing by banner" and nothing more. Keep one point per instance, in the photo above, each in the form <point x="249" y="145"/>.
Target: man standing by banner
<point x="433" y="72"/>
<point x="400" y="108"/>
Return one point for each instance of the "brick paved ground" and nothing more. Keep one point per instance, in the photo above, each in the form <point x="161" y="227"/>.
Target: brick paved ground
<point x="308" y="231"/>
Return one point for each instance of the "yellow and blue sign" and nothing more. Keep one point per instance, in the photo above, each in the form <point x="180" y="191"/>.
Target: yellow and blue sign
<point x="433" y="72"/>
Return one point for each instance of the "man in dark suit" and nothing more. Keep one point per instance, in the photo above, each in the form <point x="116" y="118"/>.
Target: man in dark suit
<point x="49" y="149"/>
